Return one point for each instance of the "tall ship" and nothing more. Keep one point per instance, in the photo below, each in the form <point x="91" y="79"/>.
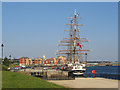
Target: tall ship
<point x="74" y="47"/>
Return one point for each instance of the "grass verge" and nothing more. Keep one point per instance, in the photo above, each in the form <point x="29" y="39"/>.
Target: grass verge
<point x="20" y="80"/>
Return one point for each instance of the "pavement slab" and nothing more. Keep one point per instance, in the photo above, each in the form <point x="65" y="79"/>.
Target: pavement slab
<point x="87" y="83"/>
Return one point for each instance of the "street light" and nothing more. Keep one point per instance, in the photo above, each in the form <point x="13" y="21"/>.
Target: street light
<point x="10" y="57"/>
<point x="2" y="50"/>
<point x="86" y="57"/>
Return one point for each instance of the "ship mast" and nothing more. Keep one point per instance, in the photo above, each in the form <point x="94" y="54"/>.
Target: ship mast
<point x="74" y="42"/>
<point x="75" y="28"/>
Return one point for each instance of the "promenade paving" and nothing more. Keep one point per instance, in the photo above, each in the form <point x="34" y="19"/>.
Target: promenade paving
<point x="87" y="83"/>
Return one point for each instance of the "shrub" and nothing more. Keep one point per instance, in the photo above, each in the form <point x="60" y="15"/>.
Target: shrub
<point x="4" y="68"/>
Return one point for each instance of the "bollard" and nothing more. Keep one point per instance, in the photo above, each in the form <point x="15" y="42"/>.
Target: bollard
<point x="93" y="75"/>
<point x="45" y="75"/>
<point x="93" y="72"/>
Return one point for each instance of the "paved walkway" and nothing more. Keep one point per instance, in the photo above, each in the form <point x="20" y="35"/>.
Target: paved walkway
<point x="87" y="83"/>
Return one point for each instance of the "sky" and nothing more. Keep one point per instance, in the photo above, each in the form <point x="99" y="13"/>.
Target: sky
<point x="32" y="29"/>
<point x="60" y="0"/>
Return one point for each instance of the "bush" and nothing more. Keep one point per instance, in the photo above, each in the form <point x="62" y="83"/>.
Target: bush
<point x="6" y="62"/>
<point x="4" y="68"/>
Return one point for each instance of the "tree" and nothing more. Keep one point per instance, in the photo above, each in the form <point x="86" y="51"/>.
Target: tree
<point x="6" y="61"/>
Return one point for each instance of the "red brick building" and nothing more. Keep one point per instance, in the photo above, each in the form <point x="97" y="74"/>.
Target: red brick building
<point x="36" y="62"/>
<point x="52" y="61"/>
<point x="47" y="61"/>
<point x="22" y="61"/>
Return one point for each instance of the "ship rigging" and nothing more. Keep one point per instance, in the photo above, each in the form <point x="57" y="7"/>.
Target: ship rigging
<point x="75" y="48"/>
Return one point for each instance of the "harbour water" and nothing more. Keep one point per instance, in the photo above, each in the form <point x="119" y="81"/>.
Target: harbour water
<point x="111" y="72"/>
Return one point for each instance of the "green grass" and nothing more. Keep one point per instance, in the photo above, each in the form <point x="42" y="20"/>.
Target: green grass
<point x="20" y="80"/>
<point x="4" y="68"/>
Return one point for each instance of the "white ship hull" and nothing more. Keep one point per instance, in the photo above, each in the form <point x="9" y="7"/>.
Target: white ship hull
<point x="78" y="73"/>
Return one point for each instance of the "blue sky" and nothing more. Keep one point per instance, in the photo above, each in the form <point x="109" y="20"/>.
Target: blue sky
<point x="34" y="29"/>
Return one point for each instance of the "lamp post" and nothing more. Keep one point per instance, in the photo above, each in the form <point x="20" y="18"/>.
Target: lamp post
<point x="86" y="57"/>
<point x="2" y="50"/>
<point x="10" y="57"/>
<point x="10" y="60"/>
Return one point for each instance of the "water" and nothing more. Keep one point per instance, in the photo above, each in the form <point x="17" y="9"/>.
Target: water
<point x="111" y="72"/>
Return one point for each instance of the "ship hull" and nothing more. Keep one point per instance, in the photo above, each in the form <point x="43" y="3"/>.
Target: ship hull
<point x="75" y="73"/>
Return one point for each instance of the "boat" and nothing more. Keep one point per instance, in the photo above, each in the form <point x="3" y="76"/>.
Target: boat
<point x="75" y="50"/>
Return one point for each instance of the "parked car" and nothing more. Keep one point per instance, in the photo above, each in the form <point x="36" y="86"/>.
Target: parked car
<point x="45" y="68"/>
<point x="9" y="69"/>
<point x="23" y="67"/>
<point x="16" y="68"/>
<point x="28" y="67"/>
<point x="53" y="67"/>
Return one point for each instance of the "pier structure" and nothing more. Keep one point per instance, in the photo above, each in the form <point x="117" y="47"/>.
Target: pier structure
<point x="49" y="74"/>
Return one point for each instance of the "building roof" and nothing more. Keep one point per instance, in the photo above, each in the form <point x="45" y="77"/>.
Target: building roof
<point x="24" y="57"/>
<point x="51" y="58"/>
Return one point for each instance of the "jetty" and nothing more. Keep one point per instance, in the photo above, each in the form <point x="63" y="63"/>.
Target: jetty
<point x="51" y="74"/>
